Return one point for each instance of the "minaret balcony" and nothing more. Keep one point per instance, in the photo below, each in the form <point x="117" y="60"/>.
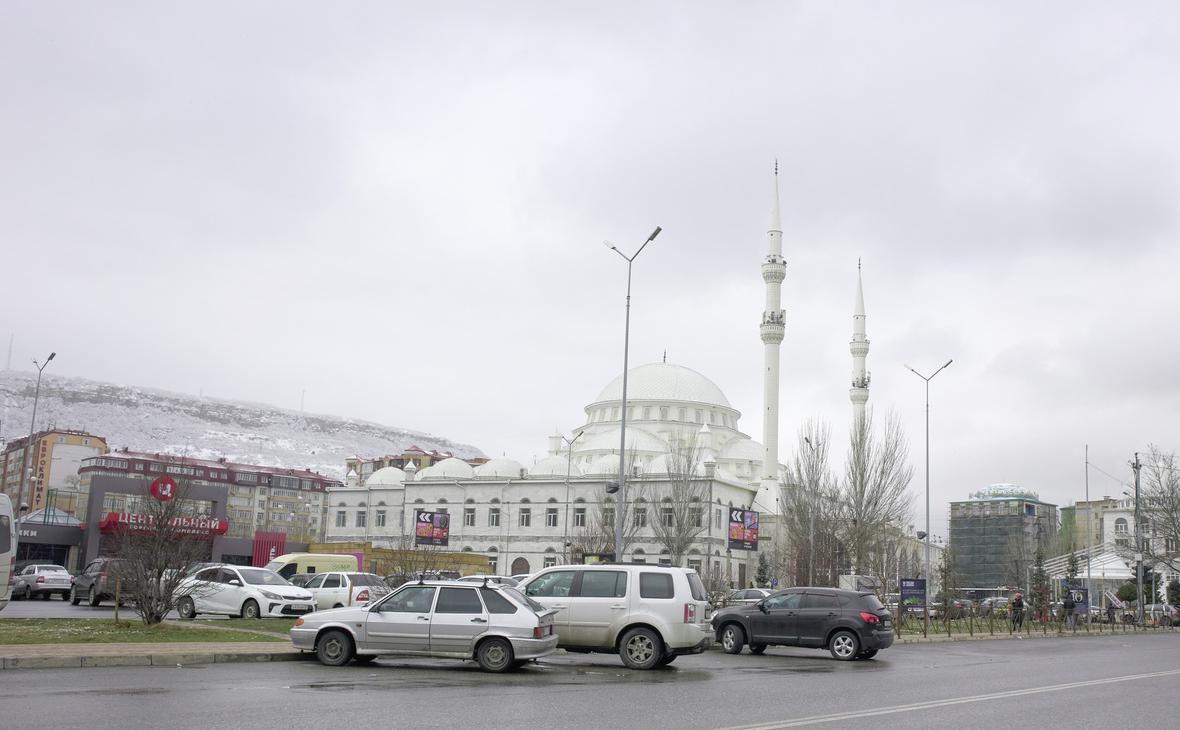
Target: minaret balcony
<point x="774" y="272"/>
<point x="772" y="334"/>
<point x="859" y="348"/>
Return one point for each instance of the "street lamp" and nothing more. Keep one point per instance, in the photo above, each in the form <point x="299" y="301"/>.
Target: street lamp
<point x="20" y="506"/>
<point x="1138" y="548"/>
<point x="569" y="461"/>
<point x="927" y="557"/>
<point x="623" y="412"/>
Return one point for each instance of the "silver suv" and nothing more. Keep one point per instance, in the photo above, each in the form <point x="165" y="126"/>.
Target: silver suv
<point x="648" y="614"/>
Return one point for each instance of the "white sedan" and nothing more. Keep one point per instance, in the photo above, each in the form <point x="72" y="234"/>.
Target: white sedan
<point x="234" y="590"/>
<point x="336" y="590"/>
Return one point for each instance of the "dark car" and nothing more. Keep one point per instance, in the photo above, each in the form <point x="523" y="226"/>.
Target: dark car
<point x="96" y="582"/>
<point x="849" y="624"/>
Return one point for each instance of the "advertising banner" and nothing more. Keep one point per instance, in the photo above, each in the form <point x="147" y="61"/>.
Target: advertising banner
<point x="432" y="528"/>
<point x="743" y="530"/>
<point x="913" y="594"/>
<point x="1081" y="600"/>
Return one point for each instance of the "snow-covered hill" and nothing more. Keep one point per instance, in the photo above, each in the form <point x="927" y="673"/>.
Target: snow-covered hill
<point x="143" y="419"/>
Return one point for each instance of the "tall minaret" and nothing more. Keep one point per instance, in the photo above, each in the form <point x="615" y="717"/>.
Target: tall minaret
<point x="774" y="270"/>
<point x="859" y="347"/>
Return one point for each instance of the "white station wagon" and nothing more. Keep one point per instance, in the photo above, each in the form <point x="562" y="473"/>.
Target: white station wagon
<point x="492" y="624"/>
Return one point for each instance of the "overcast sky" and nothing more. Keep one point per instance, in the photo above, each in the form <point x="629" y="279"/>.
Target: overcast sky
<point x="399" y="209"/>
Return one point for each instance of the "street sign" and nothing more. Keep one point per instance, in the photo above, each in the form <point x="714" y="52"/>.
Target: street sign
<point x="743" y="530"/>
<point x="163" y="488"/>
<point x="913" y="594"/>
<point x="431" y="528"/>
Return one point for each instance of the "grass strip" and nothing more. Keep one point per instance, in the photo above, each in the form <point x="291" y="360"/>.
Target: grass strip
<point x="108" y="631"/>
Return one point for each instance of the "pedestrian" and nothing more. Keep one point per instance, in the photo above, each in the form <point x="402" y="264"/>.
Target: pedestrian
<point x="1017" y="612"/>
<point x="1068" y="605"/>
<point x="1110" y="613"/>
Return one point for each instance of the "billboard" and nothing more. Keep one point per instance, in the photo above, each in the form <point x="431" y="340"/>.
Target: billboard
<point x="431" y="528"/>
<point x="913" y="594"/>
<point x="743" y="530"/>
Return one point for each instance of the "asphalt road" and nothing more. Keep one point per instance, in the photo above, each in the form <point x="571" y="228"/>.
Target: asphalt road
<point x="1121" y="681"/>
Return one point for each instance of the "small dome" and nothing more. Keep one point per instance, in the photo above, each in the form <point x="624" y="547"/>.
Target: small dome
<point x="661" y="381"/>
<point x="672" y="465"/>
<point x="451" y="468"/>
<point x="742" y="450"/>
<point x="607" y="465"/>
<point x="554" y="466"/>
<point x="637" y="439"/>
<point x="502" y="468"/>
<point x="389" y="476"/>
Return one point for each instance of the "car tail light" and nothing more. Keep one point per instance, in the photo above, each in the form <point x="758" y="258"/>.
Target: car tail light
<point x="690" y="613"/>
<point x="40" y="579"/>
<point x="299" y="622"/>
<point x="363" y="595"/>
<point x="538" y="632"/>
<point x="869" y="618"/>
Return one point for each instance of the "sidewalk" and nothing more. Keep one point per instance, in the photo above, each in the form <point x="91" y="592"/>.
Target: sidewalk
<point x="46" y="656"/>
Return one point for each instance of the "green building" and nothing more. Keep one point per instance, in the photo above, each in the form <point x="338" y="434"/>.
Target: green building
<point x="995" y="534"/>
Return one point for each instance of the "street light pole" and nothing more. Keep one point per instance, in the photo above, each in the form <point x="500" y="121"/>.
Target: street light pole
<point x="1138" y="548"/>
<point x="623" y="410"/>
<point x="29" y="446"/>
<point x="927" y="557"/>
<point x="569" y="461"/>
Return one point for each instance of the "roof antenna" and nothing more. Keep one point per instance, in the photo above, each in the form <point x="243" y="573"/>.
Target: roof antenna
<point x="776" y="167"/>
<point x="485" y="581"/>
<point x="665" y="356"/>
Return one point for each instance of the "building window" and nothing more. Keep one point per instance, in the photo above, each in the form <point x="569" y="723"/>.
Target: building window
<point x="551" y="517"/>
<point x="717" y="519"/>
<point x="608" y="516"/>
<point x="667" y="517"/>
<point x="1120" y="526"/>
<point x="469" y="517"/>
<point x="696" y="516"/>
<point x="494" y="519"/>
<point x="380" y="522"/>
<point x="580" y="517"/>
<point x="526" y="517"/>
<point x="640" y="517"/>
<point x="341" y="518"/>
<point x="360" y="519"/>
<point x="549" y="561"/>
<point x="647" y="413"/>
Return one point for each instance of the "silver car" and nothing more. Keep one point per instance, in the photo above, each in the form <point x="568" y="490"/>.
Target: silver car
<point x="495" y="625"/>
<point x="42" y="581"/>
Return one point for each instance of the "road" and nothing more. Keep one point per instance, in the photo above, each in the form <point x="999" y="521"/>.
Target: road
<point x="1119" y="681"/>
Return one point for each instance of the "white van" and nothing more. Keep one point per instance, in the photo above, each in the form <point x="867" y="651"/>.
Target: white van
<point x="7" y="548"/>
<point x="293" y="564"/>
<point x="649" y="614"/>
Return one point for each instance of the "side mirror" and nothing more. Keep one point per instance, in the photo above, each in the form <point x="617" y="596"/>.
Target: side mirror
<point x="235" y="582"/>
<point x="762" y="607"/>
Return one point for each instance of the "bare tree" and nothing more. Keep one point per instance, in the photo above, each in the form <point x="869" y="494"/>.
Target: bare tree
<point x="598" y="534"/>
<point x="876" y="485"/>
<point x="1159" y="504"/>
<point x="409" y="560"/>
<point x="162" y="543"/>
<point x="680" y="513"/>
<point x="810" y="504"/>
<point x="1017" y="560"/>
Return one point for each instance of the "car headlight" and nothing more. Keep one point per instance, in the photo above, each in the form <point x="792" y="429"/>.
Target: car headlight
<point x="271" y="596"/>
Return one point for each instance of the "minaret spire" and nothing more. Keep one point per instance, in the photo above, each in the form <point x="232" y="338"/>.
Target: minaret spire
<point x="773" y="328"/>
<point x="859" y="347"/>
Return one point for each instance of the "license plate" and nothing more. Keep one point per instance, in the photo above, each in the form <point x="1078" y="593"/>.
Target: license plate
<point x="300" y="607"/>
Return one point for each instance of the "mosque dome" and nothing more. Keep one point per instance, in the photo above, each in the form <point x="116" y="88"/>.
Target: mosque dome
<point x="661" y="381"/>
<point x="554" y="466"/>
<point x="389" y="476"/>
<point x="500" y="468"/>
<point x="742" y="450"/>
<point x="606" y="465"/>
<point x="637" y="439"/>
<point x="451" y="468"/>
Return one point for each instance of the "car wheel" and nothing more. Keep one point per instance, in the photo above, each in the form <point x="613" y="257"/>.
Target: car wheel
<point x="92" y="598"/>
<point x="733" y="638"/>
<point x="334" y="648"/>
<point x="844" y="646"/>
<point x="364" y="658"/>
<point x="519" y="663"/>
<point x="250" y="609"/>
<point x="74" y="600"/>
<point x="46" y="596"/>
<point x="338" y="605"/>
<point x="641" y="648"/>
<point x="24" y="595"/>
<point x="666" y="660"/>
<point x="868" y="654"/>
<point x="186" y="608"/>
<point x="494" y="655"/>
<point x="757" y="648"/>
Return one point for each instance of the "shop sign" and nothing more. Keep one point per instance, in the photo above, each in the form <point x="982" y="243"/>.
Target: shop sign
<point x="743" y="530"/>
<point x="202" y="527"/>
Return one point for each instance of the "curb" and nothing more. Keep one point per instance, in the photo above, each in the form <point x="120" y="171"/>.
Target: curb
<point x="149" y="660"/>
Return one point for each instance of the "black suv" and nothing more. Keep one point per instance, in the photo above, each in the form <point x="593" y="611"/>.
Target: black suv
<point x="850" y="624"/>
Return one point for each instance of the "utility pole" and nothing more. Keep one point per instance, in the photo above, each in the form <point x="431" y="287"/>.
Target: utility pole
<point x="1089" y="538"/>
<point x="1138" y="547"/>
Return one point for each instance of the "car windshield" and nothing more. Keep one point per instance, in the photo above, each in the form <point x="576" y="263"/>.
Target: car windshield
<point x="872" y="602"/>
<point x="365" y="579"/>
<point x="522" y="598"/>
<point x="50" y="569"/>
<point x="261" y="577"/>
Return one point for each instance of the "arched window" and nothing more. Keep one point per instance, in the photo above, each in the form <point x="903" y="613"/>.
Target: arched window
<point x="469" y="500"/>
<point x="362" y="504"/>
<point x="495" y="500"/>
<point x="380" y="504"/>
<point x="442" y="500"/>
<point x="524" y="500"/>
<point x="492" y="549"/>
<point x="466" y="548"/>
<point x="419" y="501"/>
<point x="341" y="504"/>
<point x="550" y="550"/>
<point x="1120" y="526"/>
<point x="553" y="500"/>
<point x="579" y="499"/>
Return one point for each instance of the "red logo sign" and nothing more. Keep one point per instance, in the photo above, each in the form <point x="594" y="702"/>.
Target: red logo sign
<point x="199" y="527"/>
<point x="163" y="488"/>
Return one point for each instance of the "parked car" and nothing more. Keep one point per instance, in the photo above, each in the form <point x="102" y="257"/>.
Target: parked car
<point x="501" y="579"/>
<point x="235" y="590"/>
<point x="648" y="614"/>
<point x="42" y="581"/>
<point x="849" y="624"/>
<point x="746" y="595"/>
<point x="301" y="579"/>
<point x="336" y="590"/>
<point x="995" y="606"/>
<point x="97" y="582"/>
<point x="1156" y="614"/>
<point x="495" y="625"/>
<point x="520" y="577"/>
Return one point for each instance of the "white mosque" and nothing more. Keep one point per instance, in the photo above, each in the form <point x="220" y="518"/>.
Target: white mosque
<point x="525" y="518"/>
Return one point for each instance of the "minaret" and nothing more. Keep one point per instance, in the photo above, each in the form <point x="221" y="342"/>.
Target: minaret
<point x="859" y="347"/>
<point x="774" y="270"/>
